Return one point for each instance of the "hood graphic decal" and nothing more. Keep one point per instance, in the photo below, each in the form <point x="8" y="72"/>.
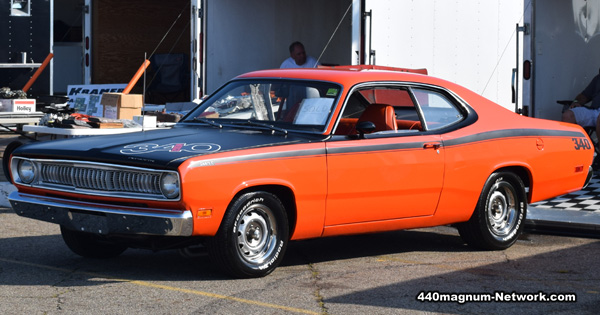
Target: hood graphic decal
<point x="143" y="148"/>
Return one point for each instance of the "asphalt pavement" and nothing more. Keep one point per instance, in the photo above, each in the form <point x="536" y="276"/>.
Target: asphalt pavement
<point x="423" y="271"/>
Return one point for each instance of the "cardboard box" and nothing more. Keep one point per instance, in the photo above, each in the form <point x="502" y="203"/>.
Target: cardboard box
<point x="114" y="112"/>
<point x="17" y="105"/>
<point x="145" y="120"/>
<point x="110" y="111"/>
<point x="121" y="106"/>
<point x="122" y="100"/>
<point x="5" y="105"/>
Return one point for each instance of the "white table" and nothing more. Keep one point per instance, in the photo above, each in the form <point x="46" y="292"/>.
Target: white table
<point x="76" y="132"/>
<point x="18" y="118"/>
<point x="80" y="131"/>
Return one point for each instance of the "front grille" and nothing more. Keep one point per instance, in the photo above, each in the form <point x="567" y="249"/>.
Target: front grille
<point x="100" y="179"/>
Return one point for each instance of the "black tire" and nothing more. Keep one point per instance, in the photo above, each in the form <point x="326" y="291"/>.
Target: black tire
<point x="90" y="245"/>
<point x="499" y="216"/>
<point x="252" y="238"/>
<point x="6" y="159"/>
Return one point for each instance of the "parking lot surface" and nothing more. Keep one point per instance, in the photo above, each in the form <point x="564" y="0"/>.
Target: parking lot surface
<point x="405" y="272"/>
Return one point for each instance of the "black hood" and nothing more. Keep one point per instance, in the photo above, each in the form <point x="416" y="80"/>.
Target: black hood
<point x="160" y="148"/>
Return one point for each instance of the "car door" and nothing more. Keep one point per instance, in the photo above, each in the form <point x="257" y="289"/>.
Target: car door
<point x="389" y="174"/>
<point x="383" y="178"/>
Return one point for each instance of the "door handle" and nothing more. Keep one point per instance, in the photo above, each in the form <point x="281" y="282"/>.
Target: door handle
<point x="432" y="145"/>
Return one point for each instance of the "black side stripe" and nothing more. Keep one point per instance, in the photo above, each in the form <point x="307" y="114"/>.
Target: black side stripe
<point x="375" y="148"/>
<point x="259" y="156"/>
<point x="512" y="133"/>
<point x="480" y="137"/>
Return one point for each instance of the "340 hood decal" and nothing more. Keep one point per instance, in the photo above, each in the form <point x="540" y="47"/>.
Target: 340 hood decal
<point x="143" y="148"/>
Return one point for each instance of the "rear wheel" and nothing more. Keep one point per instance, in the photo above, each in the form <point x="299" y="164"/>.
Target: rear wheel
<point x="253" y="236"/>
<point x="90" y="245"/>
<point x="497" y="221"/>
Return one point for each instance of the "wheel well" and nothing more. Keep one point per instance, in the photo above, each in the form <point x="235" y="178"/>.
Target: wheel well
<point x="6" y="158"/>
<point x="523" y="173"/>
<point x="285" y="194"/>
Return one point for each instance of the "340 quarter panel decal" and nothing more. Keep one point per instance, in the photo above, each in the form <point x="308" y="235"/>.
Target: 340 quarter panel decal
<point x="581" y="144"/>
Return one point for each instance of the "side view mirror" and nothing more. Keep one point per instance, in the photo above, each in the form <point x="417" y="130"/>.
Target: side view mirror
<point x="365" y="127"/>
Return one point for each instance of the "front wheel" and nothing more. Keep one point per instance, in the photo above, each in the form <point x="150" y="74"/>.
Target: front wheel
<point x="90" y="245"/>
<point x="497" y="221"/>
<point x="253" y="236"/>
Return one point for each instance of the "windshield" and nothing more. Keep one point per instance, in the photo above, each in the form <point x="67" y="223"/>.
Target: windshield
<point x="278" y="104"/>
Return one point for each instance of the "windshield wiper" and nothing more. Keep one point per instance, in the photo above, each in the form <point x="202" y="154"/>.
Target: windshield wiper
<point x="258" y="124"/>
<point x="210" y="122"/>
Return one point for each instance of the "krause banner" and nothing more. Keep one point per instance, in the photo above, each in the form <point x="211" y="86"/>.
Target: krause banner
<point x="86" y="98"/>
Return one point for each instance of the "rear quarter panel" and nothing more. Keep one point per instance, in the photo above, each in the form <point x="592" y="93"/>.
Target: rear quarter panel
<point x="543" y="150"/>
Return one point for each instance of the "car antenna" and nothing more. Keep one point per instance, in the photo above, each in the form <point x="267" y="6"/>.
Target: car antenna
<point x="333" y="34"/>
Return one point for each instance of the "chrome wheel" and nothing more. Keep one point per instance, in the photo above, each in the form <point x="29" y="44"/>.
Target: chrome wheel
<point x="256" y="231"/>
<point x="502" y="209"/>
<point x="253" y="236"/>
<point x="497" y="221"/>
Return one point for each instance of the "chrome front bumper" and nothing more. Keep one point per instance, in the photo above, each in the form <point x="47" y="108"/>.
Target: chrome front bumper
<point x="102" y="218"/>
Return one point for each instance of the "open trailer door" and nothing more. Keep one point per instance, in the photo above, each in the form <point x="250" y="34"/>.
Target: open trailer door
<point x="198" y="73"/>
<point x="25" y="42"/>
<point x="242" y="36"/>
<point x="562" y="49"/>
<point x="87" y="47"/>
<point x="125" y="33"/>
<point x="71" y="44"/>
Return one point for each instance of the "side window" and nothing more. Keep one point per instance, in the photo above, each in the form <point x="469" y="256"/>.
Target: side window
<point x="438" y="111"/>
<point x="401" y="114"/>
<point x="355" y="106"/>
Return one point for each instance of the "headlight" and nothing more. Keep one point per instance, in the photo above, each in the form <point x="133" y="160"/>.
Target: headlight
<point x="26" y="171"/>
<point x="169" y="185"/>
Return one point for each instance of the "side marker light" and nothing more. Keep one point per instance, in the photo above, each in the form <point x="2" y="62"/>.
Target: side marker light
<point x="204" y="213"/>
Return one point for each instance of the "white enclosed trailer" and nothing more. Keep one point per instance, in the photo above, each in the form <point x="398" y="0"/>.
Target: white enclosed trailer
<point x="470" y="42"/>
<point x="523" y="54"/>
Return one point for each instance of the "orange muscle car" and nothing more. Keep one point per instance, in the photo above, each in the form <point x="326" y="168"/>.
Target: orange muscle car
<point x="280" y="155"/>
